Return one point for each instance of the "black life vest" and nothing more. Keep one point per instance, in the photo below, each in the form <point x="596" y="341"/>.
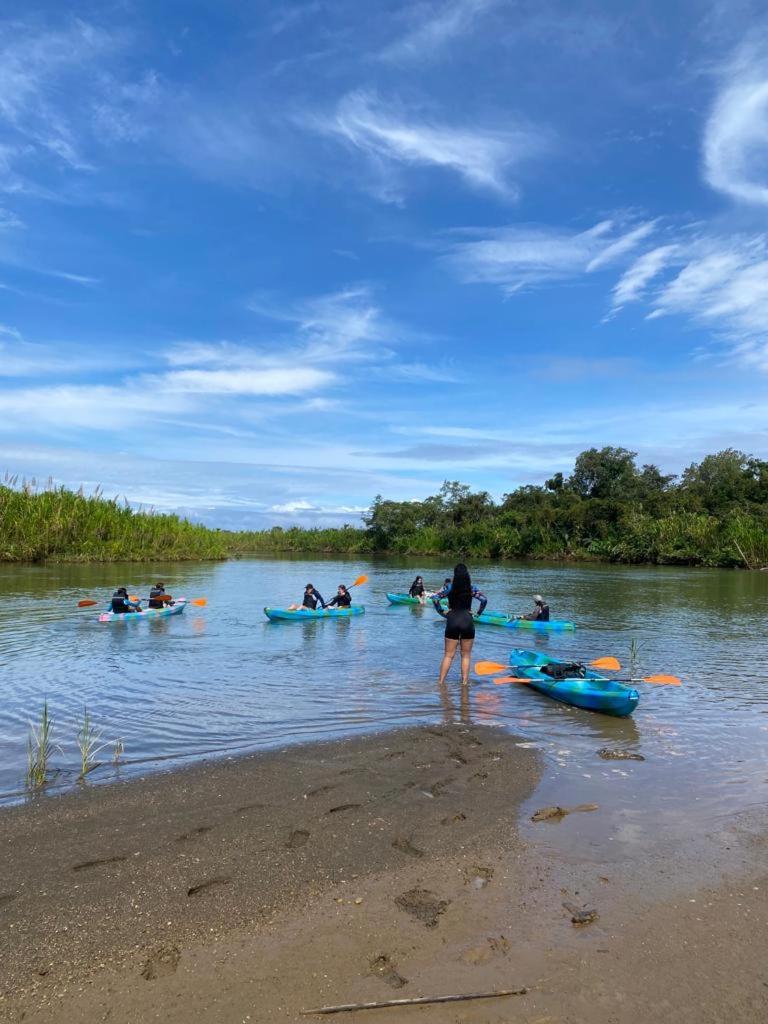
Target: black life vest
<point x="120" y="605"/>
<point x="154" y="597"/>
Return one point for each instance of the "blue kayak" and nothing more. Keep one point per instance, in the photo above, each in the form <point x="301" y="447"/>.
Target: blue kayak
<point x="407" y="599"/>
<point x="304" y="614"/>
<point x="500" y="619"/>
<point x="591" y="691"/>
<point x="146" y="613"/>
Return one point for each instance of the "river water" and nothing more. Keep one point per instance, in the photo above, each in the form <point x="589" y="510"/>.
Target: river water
<point x="221" y="680"/>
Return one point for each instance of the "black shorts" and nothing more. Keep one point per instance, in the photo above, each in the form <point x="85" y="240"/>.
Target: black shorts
<point x="459" y="625"/>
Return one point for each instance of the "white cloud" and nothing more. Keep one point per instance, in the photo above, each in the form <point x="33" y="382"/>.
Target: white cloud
<point x="389" y="137"/>
<point x="286" y="380"/>
<point x="736" y="136"/>
<point x="519" y="257"/>
<point x="437" y="26"/>
<point x="644" y="269"/>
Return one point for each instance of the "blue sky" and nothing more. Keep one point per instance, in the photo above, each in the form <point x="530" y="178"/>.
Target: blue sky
<point x="259" y="262"/>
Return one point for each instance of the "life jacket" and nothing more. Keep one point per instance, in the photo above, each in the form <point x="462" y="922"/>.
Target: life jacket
<point x="120" y="604"/>
<point x="417" y="589"/>
<point x="309" y="600"/>
<point x="154" y="597"/>
<point x="343" y="600"/>
<point x="558" y="672"/>
<point x="543" y="613"/>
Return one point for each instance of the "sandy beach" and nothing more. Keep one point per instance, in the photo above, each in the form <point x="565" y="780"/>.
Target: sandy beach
<point x="388" y="866"/>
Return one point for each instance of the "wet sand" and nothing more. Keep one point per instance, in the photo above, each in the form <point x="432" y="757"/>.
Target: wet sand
<point x="375" y="868"/>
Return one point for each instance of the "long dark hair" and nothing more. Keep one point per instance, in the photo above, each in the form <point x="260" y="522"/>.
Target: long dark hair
<point x="416" y="581"/>
<point x="461" y="588"/>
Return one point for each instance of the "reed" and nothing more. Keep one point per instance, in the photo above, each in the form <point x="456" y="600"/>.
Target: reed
<point x="88" y="743"/>
<point x="39" y="749"/>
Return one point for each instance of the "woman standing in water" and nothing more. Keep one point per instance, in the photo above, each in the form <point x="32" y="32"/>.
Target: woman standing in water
<point x="459" y="626"/>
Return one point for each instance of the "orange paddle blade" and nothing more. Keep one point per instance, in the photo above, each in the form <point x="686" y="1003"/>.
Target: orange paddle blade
<point x="487" y="668"/>
<point x="611" y="664"/>
<point x="86" y="604"/>
<point x="201" y="602"/>
<point x="511" y="679"/>
<point x="359" y="581"/>
<point x="133" y="597"/>
<point x="663" y="680"/>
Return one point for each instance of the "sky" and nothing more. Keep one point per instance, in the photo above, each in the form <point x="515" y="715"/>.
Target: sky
<point x="260" y="262"/>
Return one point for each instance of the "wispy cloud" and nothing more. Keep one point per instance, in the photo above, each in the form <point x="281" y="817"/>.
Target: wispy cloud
<point x="390" y="137"/>
<point x="645" y="268"/>
<point x="736" y="136"/>
<point x="435" y="25"/>
<point x="521" y="257"/>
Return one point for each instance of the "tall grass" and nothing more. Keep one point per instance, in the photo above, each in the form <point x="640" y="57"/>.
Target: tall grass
<point x="88" y="743"/>
<point x="39" y="749"/>
<point x="54" y="524"/>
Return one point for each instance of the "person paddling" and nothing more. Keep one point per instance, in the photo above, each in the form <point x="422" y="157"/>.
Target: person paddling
<point x="309" y="601"/>
<point x="540" y="611"/>
<point x="459" y="625"/>
<point x="121" y="603"/>
<point x="158" y="597"/>
<point x="418" y="590"/>
<point x="343" y="598"/>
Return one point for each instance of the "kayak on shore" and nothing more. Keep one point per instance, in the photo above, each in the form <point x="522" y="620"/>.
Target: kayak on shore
<point x="147" y="613"/>
<point x="590" y="691"/>
<point x="302" y="614"/>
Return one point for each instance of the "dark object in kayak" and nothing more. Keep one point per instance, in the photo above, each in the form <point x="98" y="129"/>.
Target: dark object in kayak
<point x="590" y="691"/>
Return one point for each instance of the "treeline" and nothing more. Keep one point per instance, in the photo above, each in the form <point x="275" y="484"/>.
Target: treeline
<point x="60" y="525"/>
<point x="715" y="513"/>
<point x="609" y="508"/>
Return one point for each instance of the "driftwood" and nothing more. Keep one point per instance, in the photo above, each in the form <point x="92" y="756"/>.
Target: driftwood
<point x="345" y="1007"/>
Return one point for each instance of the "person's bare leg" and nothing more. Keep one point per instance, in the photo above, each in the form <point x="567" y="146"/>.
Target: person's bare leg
<point x="466" y="654"/>
<point x="445" y="664"/>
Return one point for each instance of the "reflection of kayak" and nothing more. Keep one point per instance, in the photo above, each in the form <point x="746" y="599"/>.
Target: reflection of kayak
<point x="592" y="692"/>
<point x="407" y="599"/>
<point x="499" y="619"/>
<point x="148" y="613"/>
<point x="321" y="613"/>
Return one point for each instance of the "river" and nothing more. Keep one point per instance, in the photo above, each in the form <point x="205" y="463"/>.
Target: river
<point x="221" y="680"/>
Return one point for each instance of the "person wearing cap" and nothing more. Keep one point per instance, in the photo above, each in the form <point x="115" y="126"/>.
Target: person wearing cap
<point x="121" y="603"/>
<point x="540" y="611"/>
<point x="158" y="597"/>
<point x="309" y="600"/>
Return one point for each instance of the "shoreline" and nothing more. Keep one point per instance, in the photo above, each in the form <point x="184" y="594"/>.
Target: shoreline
<point x="375" y="867"/>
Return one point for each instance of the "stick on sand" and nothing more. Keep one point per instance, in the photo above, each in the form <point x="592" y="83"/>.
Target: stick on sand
<point x="344" y="1007"/>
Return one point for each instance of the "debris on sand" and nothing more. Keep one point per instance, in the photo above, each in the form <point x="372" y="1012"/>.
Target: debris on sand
<point x="619" y="755"/>
<point x="547" y="813"/>
<point x="581" y="915"/>
<point x="422" y="904"/>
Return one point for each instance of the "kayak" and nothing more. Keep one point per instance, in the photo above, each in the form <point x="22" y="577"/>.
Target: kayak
<point x="302" y="614"/>
<point x="500" y="619"/>
<point x="148" y="613"/>
<point x="593" y="692"/>
<point x="407" y="599"/>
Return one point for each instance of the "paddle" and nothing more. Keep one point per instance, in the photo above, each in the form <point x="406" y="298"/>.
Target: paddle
<point x="359" y="582"/>
<point x="487" y="668"/>
<point x="201" y="602"/>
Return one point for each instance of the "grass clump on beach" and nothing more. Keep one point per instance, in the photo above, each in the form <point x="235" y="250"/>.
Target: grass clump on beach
<point x="39" y="749"/>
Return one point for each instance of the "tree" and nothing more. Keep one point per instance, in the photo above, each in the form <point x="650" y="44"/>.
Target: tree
<point x="608" y="473"/>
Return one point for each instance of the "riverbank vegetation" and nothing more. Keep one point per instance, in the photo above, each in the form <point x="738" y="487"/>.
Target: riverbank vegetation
<point x="52" y="523"/>
<point x="609" y="508"/>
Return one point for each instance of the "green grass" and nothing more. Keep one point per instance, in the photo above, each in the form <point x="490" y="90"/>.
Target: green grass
<point x="39" y="750"/>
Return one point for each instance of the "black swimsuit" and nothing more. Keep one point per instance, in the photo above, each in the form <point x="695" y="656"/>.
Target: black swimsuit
<point x="459" y="624"/>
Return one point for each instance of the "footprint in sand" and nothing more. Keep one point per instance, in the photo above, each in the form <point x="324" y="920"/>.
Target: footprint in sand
<point x="453" y="819"/>
<point x="318" y="791"/>
<point x="422" y="904"/>
<point x="194" y="833"/>
<point x="161" y="963"/>
<point x="478" y="876"/>
<point x="406" y="846"/>
<point x="384" y="968"/>
<point x="297" y="838"/>
<point x="341" y="807"/>
<point x="97" y="863"/>
<point x="209" y="883"/>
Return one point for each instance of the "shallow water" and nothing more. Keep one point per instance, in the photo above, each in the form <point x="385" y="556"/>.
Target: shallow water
<point x="222" y="679"/>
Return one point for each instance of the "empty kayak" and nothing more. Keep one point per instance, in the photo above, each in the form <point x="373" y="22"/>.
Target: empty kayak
<point x="303" y="614"/>
<point x="591" y="691"/>
<point x="148" y="613"/>
<point x="499" y="619"/>
<point x="407" y="599"/>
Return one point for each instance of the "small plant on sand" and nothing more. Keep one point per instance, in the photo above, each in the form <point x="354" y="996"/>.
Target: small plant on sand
<point x="39" y="749"/>
<point x="117" y="754"/>
<point x="88" y="744"/>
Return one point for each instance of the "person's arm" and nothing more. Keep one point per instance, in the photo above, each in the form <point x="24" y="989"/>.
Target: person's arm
<point x="482" y="599"/>
<point x="438" y="607"/>
<point x="334" y="601"/>
<point x="319" y="597"/>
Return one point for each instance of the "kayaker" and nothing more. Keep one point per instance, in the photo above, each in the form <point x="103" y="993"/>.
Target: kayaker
<point x="446" y="590"/>
<point x="121" y="603"/>
<point x="309" y="600"/>
<point x="158" y="597"/>
<point x="540" y="611"/>
<point x="343" y="598"/>
<point x="418" y="590"/>
<point x="459" y="625"/>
